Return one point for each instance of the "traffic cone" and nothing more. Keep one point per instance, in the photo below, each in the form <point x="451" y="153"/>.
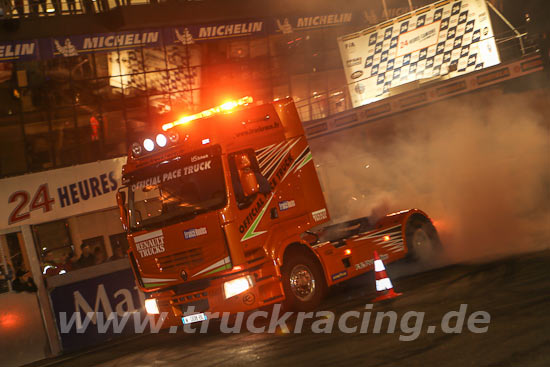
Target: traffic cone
<point x="384" y="288"/>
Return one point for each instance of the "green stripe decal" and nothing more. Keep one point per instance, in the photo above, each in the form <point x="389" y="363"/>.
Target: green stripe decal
<point x="305" y="161"/>
<point x="223" y="267"/>
<point x="154" y="285"/>
<point x="251" y="231"/>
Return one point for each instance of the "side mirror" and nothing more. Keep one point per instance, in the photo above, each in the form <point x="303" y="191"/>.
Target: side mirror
<point x="246" y="175"/>
<point x="249" y="182"/>
<point x="121" y="201"/>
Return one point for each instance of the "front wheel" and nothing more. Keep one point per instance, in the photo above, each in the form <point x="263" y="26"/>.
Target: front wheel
<point x="303" y="282"/>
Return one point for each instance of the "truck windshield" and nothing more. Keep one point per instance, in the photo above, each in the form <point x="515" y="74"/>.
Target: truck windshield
<point x="177" y="190"/>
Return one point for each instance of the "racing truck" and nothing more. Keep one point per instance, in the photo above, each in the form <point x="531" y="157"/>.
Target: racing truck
<point x="224" y="212"/>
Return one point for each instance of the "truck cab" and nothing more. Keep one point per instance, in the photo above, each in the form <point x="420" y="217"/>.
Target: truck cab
<point x="212" y="202"/>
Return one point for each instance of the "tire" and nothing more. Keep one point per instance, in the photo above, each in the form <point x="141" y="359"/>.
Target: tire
<point x="303" y="282"/>
<point x="423" y="242"/>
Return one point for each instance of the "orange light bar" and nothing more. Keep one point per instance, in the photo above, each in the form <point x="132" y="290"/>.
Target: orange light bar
<point x="226" y="107"/>
<point x="386" y="238"/>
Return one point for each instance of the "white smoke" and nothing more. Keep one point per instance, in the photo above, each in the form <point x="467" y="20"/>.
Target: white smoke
<point x="479" y="165"/>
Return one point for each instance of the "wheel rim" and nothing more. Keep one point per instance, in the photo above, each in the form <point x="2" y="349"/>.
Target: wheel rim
<point x="302" y="282"/>
<point x="422" y="244"/>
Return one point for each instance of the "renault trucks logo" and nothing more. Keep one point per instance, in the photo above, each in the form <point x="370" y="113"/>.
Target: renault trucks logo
<point x="150" y="244"/>
<point x="194" y="232"/>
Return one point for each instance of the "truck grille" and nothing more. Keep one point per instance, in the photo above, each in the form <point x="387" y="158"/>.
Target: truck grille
<point x="201" y="305"/>
<point x="185" y="258"/>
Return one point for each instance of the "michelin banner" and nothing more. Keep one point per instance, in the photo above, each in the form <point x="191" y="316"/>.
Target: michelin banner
<point x="60" y="193"/>
<point x="81" y="44"/>
<point x="447" y="37"/>
<point x="18" y="50"/>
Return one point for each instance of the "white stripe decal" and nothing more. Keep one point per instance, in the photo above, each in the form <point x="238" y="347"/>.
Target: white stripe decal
<point x="266" y="151"/>
<point x="275" y="160"/>
<point x="273" y="151"/>
<point x="155" y="280"/>
<point x="378" y="233"/>
<point x="295" y="163"/>
<point x="286" y="152"/>
<point x="213" y="266"/>
<point x="147" y="236"/>
<point x="263" y="149"/>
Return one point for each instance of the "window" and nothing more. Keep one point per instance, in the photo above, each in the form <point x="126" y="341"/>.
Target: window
<point x="246" y="177"/>
<point x="12" y="150"/>
<point x="54" y="244"/>
<point x="39" y="146"/>
<point x="177" y="190"/>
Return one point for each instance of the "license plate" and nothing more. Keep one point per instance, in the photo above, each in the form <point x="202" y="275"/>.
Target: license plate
<point x="193" y="318"/>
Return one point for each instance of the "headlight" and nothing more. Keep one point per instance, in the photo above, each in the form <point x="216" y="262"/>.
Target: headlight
<point x="149" y="145"/>
<point x="136" y="149"/>
<point x="161" y="140"/>
<point x="151" y="306"/>
<point x="237" y="286"/>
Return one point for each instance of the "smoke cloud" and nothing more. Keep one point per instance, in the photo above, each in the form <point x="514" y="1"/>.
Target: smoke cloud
<point x="478" y="165"/>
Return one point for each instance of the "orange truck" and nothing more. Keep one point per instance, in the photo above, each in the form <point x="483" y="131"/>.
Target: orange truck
<point x="224" y="212"/>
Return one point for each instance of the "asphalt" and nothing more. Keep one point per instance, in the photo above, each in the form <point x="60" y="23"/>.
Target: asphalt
<point x="514" y="291"/>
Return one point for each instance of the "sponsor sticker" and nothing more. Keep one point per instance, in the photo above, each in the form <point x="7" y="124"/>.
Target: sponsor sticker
<point x="319" y="215"/>
<point x="249" y="299"/>
<point x="356" y="74"/>
<point x="369" y="262"/>
<point x="287" y="204"/>
<point x="353" y="62"/>
<point x="359" y="88"/>
<point x="194" y="232"/>
<point x="339" y="275"/>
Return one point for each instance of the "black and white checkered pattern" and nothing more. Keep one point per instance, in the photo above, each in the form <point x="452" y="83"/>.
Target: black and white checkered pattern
<point x="174" y="81"/>
<point x="457" y="44"/>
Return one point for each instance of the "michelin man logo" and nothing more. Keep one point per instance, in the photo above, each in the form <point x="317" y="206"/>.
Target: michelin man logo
<point x="186" y="38"/>
<point x="67" y="50"/>
<point x="285" y="27"/>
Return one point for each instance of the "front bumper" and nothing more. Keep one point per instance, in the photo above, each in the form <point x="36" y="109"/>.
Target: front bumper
<point x="207" y="295"/>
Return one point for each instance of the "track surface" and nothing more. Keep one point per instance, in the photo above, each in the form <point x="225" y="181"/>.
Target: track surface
<point x="515" y="291"/>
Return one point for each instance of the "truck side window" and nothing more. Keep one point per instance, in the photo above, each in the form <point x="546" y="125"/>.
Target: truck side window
<point x="246" y="177"/>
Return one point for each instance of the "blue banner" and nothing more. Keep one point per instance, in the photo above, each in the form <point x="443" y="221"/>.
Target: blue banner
<point x="18" y="50"/>
<point x="74" y="45"/>
<point x="82" y="310"/>
<point x="301" y="23"/>
<point x="82" y="44"/>
<point x="214" y="31"/>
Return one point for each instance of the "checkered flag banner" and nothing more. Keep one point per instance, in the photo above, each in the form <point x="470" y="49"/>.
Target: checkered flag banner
<point x="451" y="37"/>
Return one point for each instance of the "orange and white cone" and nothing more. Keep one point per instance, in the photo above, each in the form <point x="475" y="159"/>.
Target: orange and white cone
<point x="384" y="288"/>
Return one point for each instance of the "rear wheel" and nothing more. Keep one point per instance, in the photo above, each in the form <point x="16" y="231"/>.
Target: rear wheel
<point x="422" y="239"/>
<point x="303" y="281"/>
